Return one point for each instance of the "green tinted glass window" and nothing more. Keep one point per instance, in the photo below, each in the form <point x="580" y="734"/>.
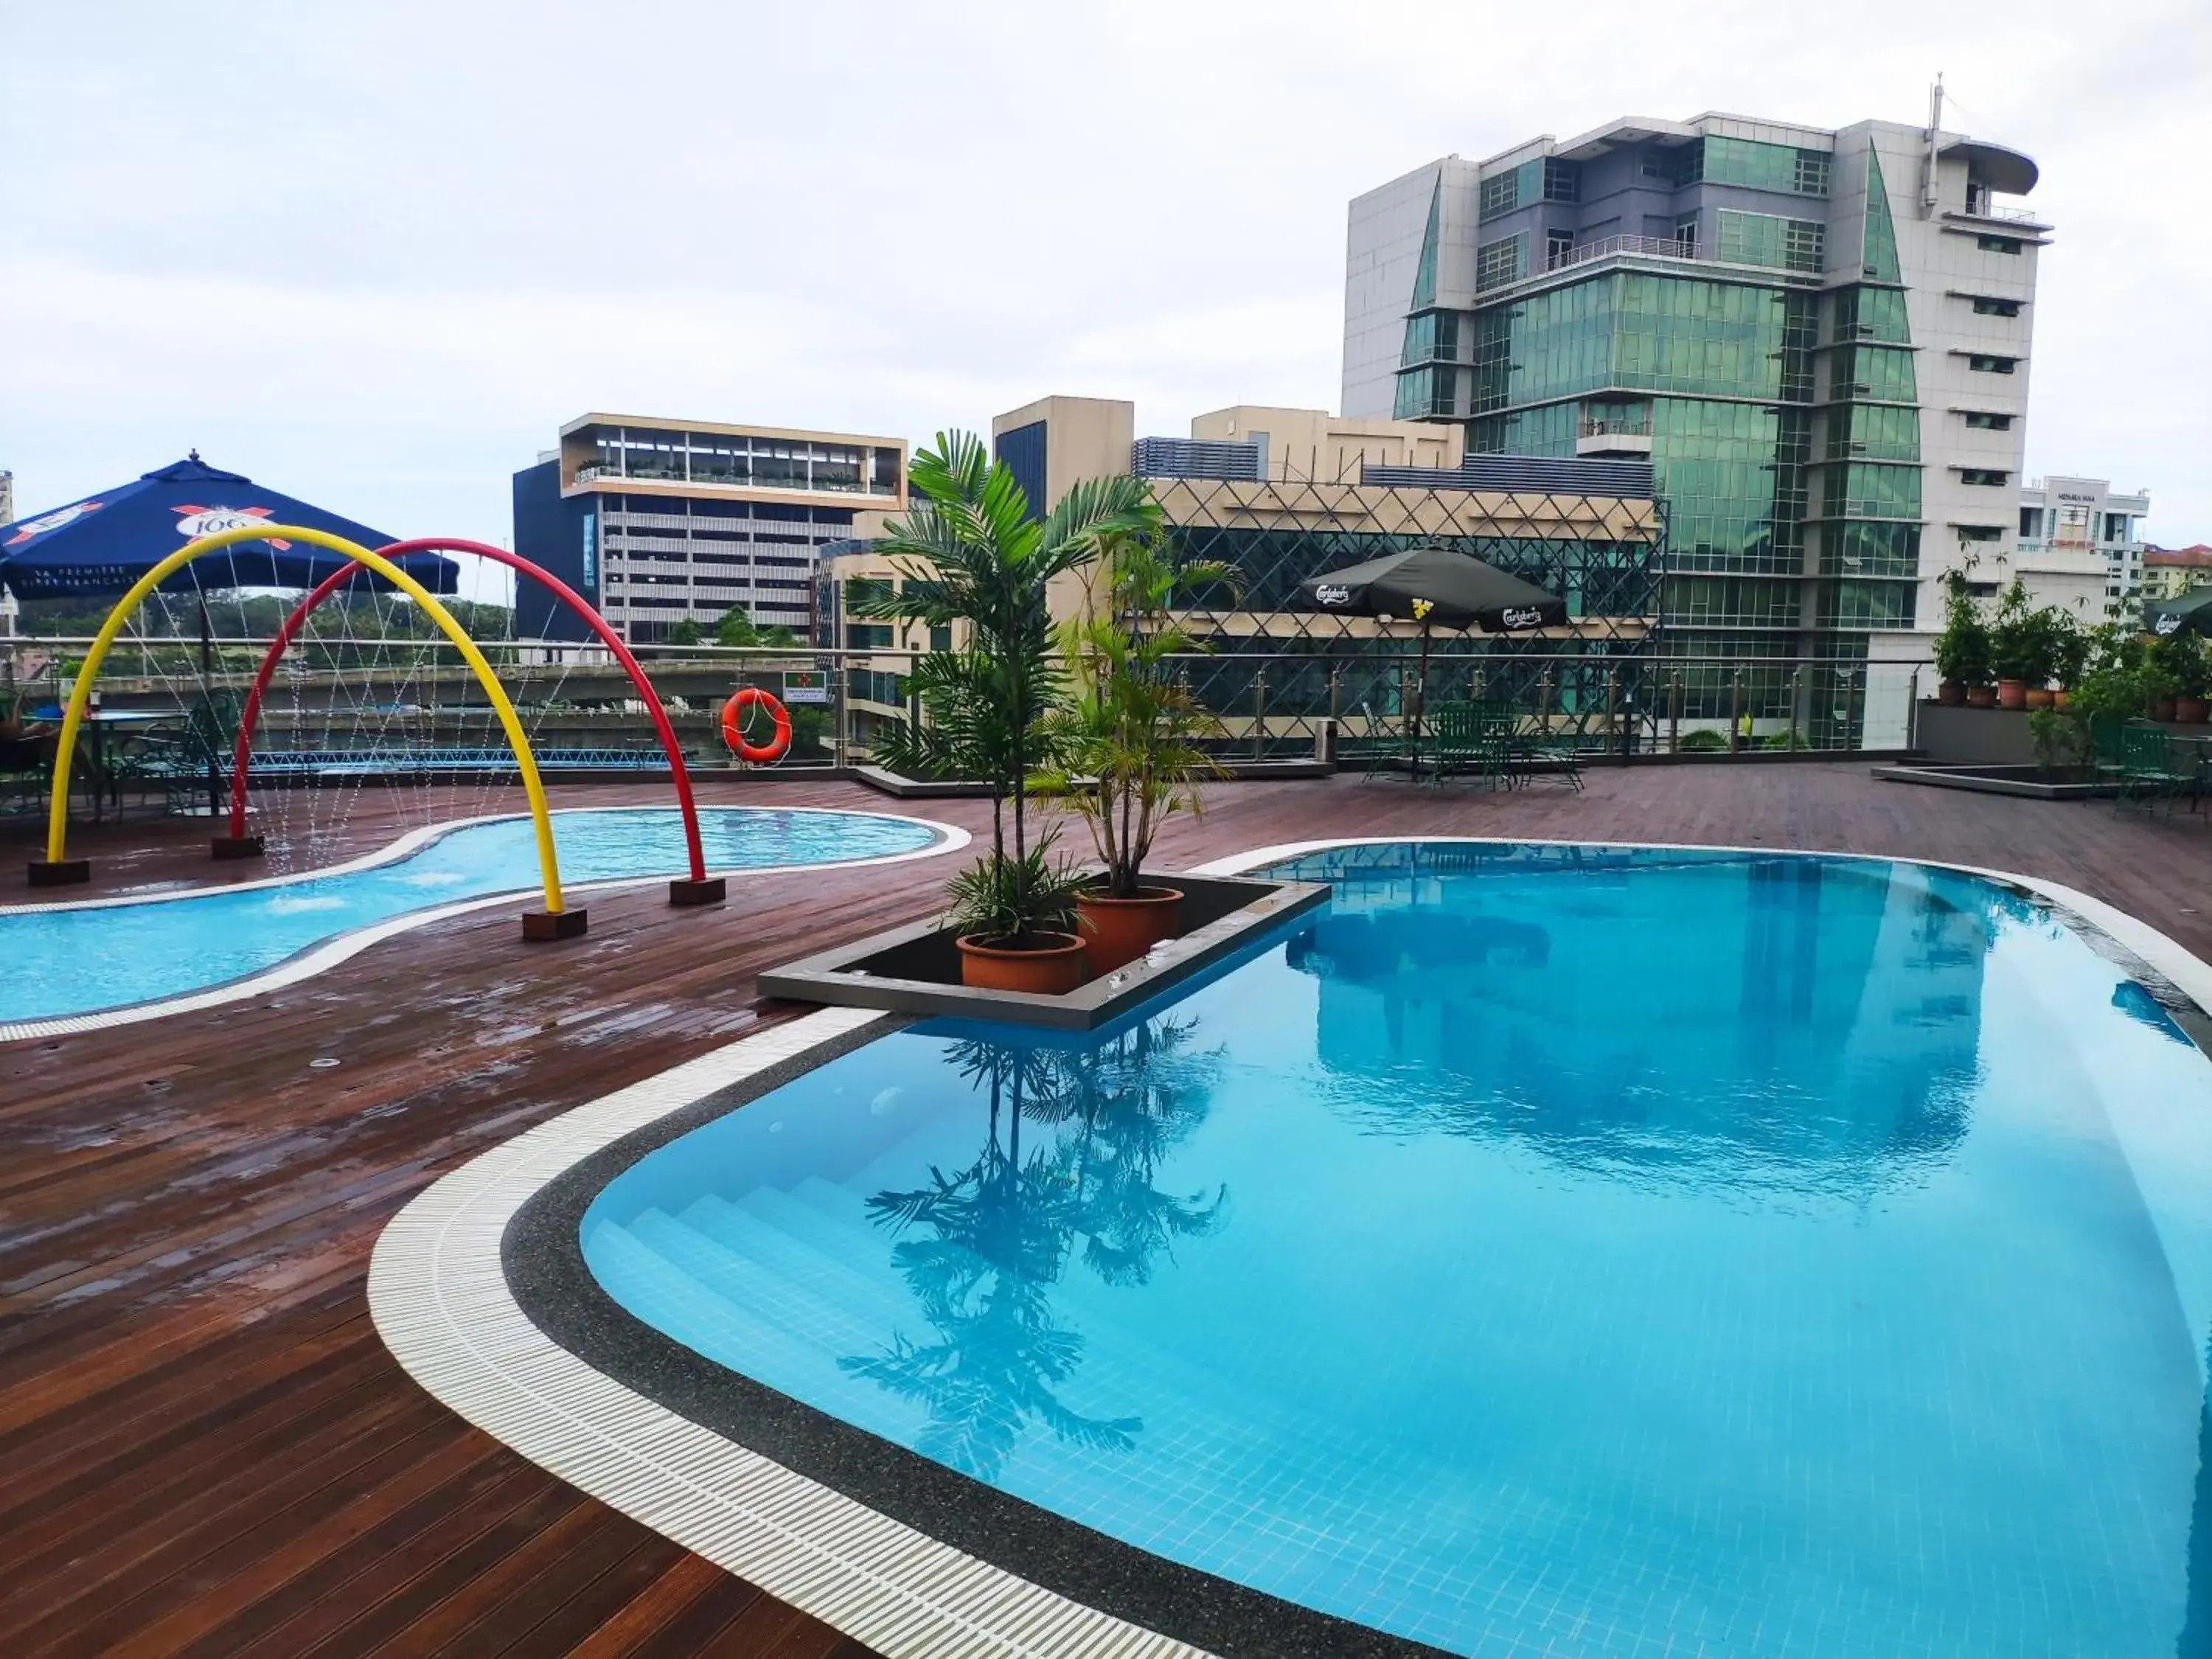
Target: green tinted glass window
<point x="1870" y="313"/>
<point x="1879" y="373"/>
<point x="1505" y="261"/>
<point x="1764" y="166"/>
<point x="1878" y="258"/>
<point x="1425" y="273"/>
<point x="1879" y="432"/>
<point x="1858" y="490"/>
<point x="1766" y="238"/>
<point x="1870" y="550"/>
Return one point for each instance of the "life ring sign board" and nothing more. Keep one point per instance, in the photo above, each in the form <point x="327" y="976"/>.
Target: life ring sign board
<point x="733" y="726"/>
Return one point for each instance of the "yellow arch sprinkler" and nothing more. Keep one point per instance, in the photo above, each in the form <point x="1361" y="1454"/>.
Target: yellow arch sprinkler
<point x="57" y="869"/>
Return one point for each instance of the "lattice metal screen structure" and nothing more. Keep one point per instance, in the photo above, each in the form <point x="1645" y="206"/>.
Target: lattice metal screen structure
<point x="1276" y="669"/>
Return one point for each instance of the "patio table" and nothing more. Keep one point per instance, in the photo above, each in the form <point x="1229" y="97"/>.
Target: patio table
<point x="98" y="726"/>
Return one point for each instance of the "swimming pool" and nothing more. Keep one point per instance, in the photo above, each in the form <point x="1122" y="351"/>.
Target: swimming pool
<point x="1547" y="1250"/>
<point x="76" y="958"/>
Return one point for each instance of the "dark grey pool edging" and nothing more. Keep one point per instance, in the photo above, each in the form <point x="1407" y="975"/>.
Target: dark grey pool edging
<point x="542" y="1257"/>
<point x="863" y="974"/>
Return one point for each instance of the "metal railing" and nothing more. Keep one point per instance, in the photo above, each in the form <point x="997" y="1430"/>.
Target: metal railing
<point x="1351" y="699"/>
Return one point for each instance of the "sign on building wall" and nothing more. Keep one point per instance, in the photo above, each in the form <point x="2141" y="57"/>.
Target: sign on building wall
<point x="591" y="555"/>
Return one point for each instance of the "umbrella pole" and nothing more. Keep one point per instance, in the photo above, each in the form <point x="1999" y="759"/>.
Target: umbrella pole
<point x="207" y="698"/>
<point x="1421" y="683"/>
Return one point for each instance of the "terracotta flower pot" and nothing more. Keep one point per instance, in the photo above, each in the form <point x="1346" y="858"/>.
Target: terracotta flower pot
<point x="1981" y="696"/>
<point x="2191" y="711"/>
<point x="1049" y="970"/>
<point x="1951" y="694"/>
<point x="2061" y="697"/>
<point x="2038" y="696"/>
<point x="2162" y="709"/>
<point x="1116" y="930"/>
<point x="2012" y="694"/>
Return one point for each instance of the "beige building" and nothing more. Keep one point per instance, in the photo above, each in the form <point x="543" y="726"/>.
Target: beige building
<point x="2170" y="572"/>
<point x="663" y="523"/>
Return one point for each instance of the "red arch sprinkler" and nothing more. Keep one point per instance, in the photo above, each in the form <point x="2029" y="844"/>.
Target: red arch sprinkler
<point x="697" y="888"/>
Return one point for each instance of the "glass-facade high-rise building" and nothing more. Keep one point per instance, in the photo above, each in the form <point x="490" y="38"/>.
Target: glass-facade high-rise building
<point x="1819" y="338"/>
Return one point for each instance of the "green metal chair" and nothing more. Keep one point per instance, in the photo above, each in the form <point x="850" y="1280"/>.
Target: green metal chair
<point x="2107" y="747"/>
<point x="1557" y="758"/>
<point x="2148" y="772"/>
<point x="1472" y="740"/>
<point x="1387" y="750"/>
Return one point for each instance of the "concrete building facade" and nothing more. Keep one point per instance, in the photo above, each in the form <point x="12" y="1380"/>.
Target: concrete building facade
<point x="660" y="522"/>
<point x="1820" y="339"/>
<point x="2080" y="543"/>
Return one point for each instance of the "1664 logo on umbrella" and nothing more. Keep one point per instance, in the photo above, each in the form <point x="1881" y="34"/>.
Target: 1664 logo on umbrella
<point x="198" y="521"/>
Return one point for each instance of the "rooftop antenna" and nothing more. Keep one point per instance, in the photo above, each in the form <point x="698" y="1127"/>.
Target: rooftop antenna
<point x="1935" y="138"/>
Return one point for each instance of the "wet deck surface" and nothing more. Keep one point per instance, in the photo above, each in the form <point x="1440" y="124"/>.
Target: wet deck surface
<point x="208" y="1450"/>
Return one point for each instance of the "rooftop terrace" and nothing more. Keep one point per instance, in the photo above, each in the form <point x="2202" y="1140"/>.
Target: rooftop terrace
<point x="209" y="1449"/>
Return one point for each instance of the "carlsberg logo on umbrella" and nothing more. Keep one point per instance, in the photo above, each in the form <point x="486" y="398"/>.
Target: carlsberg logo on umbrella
<point x="1332" y="594"/>
<point x="1513" y="617"/>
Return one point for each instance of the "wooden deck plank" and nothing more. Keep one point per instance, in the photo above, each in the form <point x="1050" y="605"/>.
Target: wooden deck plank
<point x="207" y="1448"/>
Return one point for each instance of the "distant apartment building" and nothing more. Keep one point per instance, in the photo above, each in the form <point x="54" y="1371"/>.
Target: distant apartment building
<point x="1283" y="495"/>
<point x="2081" y="544"/>
<point x="660" y="522"/>
<point x="9" y="609"/>
<point x="2170" y="572"/>
<point x="1819" y="340"/>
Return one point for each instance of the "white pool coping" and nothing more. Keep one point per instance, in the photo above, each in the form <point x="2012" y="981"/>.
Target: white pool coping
<point x="322" y="957"/>
<point x="441" y="1301"/>
<point x="438" y="1295"/>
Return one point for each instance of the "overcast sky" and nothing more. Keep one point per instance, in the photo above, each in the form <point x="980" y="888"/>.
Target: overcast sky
<point x="375" y="255"/>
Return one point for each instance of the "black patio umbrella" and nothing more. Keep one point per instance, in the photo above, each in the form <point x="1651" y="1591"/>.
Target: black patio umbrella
<point x="2191" y="613"/>
<point x="1436" y="587"/>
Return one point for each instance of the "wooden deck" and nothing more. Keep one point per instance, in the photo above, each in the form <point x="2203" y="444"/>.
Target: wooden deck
<point x="207" y="1451"/>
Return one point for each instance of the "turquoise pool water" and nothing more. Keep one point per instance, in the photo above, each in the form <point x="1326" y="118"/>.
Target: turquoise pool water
<point x="76" y="961"/>
<point x="1560" y="1252"/>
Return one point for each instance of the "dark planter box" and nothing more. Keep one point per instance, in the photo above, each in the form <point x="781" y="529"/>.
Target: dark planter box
<point x="2027" y="782"/>
<point x="915" y="969"/>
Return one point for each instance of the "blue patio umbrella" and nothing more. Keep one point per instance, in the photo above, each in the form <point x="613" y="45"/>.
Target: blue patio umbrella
<point x="104" y="543"/>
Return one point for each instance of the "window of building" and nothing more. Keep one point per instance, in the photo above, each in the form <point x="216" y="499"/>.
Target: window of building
<point x="1981" y="475"/>
<point x="2031" y="522"/>
<point x="1558" y="244"/>
<point x="1988" y="364"/>
<point x="1505" y="261"/>
<point x="1501" y="193"/>
<point x="884" y="475"/>
<point x="2116" y="526"/>
<point x="1563" y="180"/>
<point x="1766" y="238"/>
<point x="1812" y="173"/>
<point x="1686" y="235"/>
<point x="835" y="466"/>
<point x="1986" y="305"/>
<point x="1757" y="165"/>
<point x="1998" y="243"/>
<point x="1988" y="421"/>
<point x="1980" y="532"/>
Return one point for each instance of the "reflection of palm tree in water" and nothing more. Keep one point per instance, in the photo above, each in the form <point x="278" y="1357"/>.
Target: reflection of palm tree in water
<point x="1001" y="1232"/>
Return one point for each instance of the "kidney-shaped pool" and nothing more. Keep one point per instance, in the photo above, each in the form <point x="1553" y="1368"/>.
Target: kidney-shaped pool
<point x="1545" y="1251"/>
<point x="80" y="958"/>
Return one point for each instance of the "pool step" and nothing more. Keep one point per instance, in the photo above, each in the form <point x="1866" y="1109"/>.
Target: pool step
<point x="780" y="1332"/>
<point x="660" y="1270"/>
<point x="804" y="1291"/>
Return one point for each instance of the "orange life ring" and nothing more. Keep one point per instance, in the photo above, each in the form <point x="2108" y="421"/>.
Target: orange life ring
<point x="759" y="754"/>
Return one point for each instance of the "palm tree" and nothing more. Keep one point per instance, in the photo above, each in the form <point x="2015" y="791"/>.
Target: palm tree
<point x="973" y="554"/>
<point x="1129" y="736"/>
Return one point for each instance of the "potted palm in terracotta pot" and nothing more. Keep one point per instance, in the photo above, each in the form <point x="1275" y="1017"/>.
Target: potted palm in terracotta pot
<point x="2014" y="642"/>
<point x="974" y="562"/>
<point x="1962" y="648"/>
<point x="1128" y="737"/>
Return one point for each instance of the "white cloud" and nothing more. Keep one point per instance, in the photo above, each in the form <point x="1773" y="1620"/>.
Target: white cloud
<point x="377" y="255"/>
